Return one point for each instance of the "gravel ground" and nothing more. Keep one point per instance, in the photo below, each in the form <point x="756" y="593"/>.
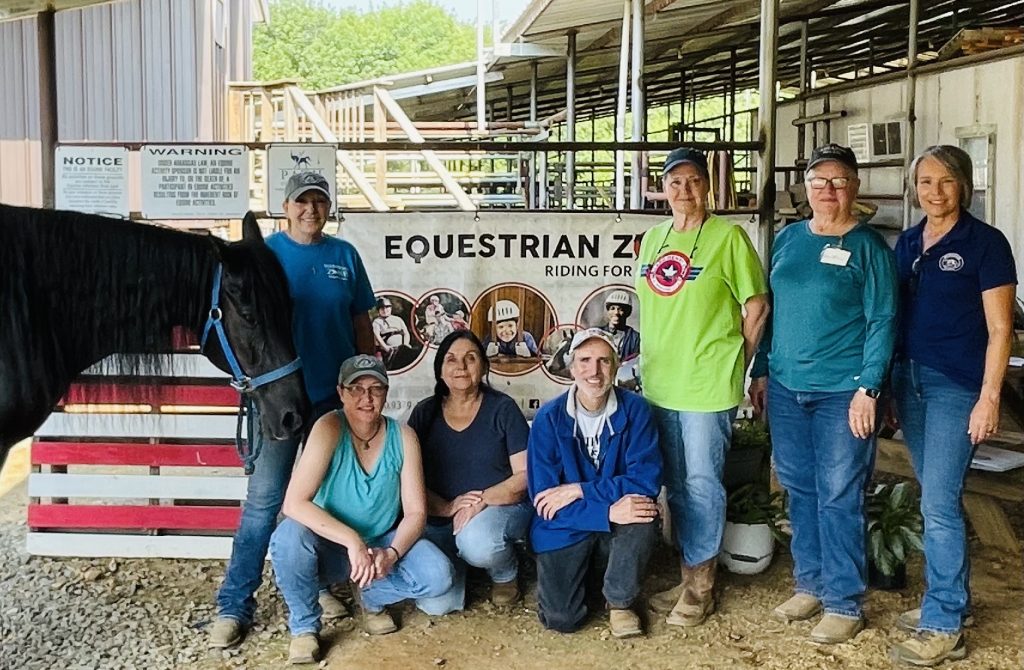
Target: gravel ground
<point x="78" y="613"/>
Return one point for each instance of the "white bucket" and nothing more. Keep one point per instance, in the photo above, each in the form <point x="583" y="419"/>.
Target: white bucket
<point x="746" y="549"/>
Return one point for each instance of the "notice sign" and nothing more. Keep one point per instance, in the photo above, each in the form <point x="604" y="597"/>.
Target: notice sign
<point x="284" y="160"/>
<point x="93" y="180"/>
<point x="194" y="182"/>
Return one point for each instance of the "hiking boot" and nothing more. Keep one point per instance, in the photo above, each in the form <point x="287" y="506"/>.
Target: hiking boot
<point x="378" y="623"/>
<point x="504" y="594"/>
<point x="800" y="607"/>
<point x="834" y="629"/>
<point x="226" y="632"/>
<point x="664" y="601"/>
<point x="697" y="599"/>
<point x="624" y="623"/>
<point x="304" y="648"/>
<point x="331" y="606"/>
<point x="911" y="619"/>
<point x="928" y="648"/>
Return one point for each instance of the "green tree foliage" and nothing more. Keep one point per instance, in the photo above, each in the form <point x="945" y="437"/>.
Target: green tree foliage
<point x="323" y="47"/>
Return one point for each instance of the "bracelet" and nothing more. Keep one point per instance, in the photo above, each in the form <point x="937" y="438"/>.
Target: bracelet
<point x="398" y="556"/>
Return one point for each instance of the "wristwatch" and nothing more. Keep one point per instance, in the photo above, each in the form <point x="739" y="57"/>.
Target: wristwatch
<point x="871" y="393"/>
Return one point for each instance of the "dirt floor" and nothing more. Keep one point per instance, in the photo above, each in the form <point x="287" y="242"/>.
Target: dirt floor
<point x="740" y="635"/>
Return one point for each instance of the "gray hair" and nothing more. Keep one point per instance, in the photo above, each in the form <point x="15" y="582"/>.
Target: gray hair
<point x="956" y="161"/>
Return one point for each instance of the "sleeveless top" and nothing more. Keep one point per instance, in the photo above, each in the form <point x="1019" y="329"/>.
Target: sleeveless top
<point x="367" y="502"/>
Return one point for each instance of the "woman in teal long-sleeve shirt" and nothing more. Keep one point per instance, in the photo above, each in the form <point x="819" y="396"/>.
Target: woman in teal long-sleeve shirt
<point x="833" y="328"/>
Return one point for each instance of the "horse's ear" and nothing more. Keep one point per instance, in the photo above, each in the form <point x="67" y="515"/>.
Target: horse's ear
<point x="250" y="229"/>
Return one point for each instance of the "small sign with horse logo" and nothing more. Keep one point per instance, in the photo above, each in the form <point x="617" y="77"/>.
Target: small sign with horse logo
<point x="284" y="160"/>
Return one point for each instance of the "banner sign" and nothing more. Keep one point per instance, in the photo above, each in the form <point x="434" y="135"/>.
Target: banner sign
<point x="524" y="282"/>
<point x="194" y="182"/>
<point x="93" y="180"/>
<point x="284" y="160"/>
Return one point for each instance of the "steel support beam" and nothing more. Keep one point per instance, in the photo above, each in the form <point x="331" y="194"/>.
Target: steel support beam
<point x="47" y="103"/>
<point x="570" y="117"/>
<point x="766" y="127"/>
<point x="638" y="185"/>
<point x="620" y="109"/>
<point x="481" y="69"/>
<point x="911" y="97"/>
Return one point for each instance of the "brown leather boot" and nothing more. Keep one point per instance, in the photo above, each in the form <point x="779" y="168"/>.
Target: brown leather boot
<point x="664" y="601"/>
<point x="698" y="598"/>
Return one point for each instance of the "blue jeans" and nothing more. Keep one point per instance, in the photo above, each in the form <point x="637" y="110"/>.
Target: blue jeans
<point x="694" y="446"/>
<point x="485" y="542"/>
<point x="263" y="499"/>
<point x="934" y="413"/>
<point x="304" y="563"/>
<point x="824" y="468"/>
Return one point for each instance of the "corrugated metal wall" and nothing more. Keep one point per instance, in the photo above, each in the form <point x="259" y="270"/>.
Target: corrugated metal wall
<point x="20" y="182"/>
<point x="130" y="71"/>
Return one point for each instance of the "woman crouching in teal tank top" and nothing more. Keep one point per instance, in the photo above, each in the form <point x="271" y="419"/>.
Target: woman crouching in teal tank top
<point x="359" y="474"/>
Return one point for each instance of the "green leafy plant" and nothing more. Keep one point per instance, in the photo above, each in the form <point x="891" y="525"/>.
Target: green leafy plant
<point x="750" y="434"/>
<point x="755" y="504"/>
<point x="895" y="526"/>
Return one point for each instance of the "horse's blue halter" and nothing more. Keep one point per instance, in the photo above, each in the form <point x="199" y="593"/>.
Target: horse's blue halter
<point x="239" y="380"/>
<point x="249" y="451"/>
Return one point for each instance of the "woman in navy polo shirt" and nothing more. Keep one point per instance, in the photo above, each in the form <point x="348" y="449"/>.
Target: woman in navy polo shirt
<point x="957" y="285"/>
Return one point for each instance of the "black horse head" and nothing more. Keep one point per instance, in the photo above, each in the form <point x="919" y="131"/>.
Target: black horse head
<point x="75" y="289"/>
<point x="257" y="317"/>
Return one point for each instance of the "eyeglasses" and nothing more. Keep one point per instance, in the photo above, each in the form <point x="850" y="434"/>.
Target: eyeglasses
<point x="377" y="391"/>
<point x="915" y="275"/>
<point x="838" y="183"/>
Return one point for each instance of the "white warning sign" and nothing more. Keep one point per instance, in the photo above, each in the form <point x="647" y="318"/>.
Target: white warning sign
<point x="93" y="180"/>
<point x="194" y="181"/>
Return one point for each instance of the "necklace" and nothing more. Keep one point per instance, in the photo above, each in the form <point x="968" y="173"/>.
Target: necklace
<point x="366" y="442"/>
<point x="693" y="248"/>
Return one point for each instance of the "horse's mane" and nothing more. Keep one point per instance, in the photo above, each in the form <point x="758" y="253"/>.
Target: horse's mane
<point x="83" y="285"/>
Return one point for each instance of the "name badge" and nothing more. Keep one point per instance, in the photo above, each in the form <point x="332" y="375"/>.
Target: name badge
<point x="835" y="256"/>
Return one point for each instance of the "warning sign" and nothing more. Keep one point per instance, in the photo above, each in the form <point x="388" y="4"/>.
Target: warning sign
<point x="284" y="160"/>
<point x="93" y="180"/>
<point x="194" y="181"/>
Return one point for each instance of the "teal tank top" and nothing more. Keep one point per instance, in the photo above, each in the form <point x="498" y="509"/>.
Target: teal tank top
<point x="367" y="502"/>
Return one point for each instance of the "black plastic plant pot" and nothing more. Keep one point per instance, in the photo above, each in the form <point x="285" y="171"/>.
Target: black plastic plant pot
<point x="878" y="580"/>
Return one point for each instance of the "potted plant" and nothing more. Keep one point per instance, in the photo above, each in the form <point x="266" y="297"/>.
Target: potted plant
<point x="752" y="515"/>
<point x="895" y="529"/>
<point x="749" y="455"/>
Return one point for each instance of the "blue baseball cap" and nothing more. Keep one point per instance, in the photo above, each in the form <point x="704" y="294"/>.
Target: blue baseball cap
<point x="685" y="155"/>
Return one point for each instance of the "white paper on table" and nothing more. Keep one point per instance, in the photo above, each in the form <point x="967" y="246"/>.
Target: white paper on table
<point x="994" y="459"/>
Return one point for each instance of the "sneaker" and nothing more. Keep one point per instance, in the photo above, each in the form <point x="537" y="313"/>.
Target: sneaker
<point x="378" y="623"/>
<point x="304" y="648"/>
<point x="226" y="632"/>
<point x="834" y="629"/>
<point x="911" y="619"/>
<point x="927" y="648"/>
<point x="663" y="602"/>
<point x="332" y="607"/>
<point x="624" y="623"/>
<point x="505" y="593"/>
<point x="800" y="607"/>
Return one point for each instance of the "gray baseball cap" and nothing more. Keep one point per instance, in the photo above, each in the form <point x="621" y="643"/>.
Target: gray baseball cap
<point x="362" y="365"/>
<point x="300" y="182"/>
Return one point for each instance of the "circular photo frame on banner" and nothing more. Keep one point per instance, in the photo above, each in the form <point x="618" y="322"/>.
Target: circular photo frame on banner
<point x="554" y="349"/>
<point x="438" y="313"/>
<point x="390" y="320"/>
<point x="615" y="308"/>
<point x="505" y="318"/>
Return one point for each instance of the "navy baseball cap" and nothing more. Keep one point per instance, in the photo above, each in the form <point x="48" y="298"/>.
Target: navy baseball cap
<point x="833" y="152"/>
<point x="685" y="155"/>
<point x="300" y="182"/>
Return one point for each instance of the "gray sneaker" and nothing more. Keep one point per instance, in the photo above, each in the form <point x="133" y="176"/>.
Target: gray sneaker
<point x="226" y="632"/>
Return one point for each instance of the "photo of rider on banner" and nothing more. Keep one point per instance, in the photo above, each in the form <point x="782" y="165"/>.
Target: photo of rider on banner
<point x="389" y="320"/>
<point x="505" y="318"/>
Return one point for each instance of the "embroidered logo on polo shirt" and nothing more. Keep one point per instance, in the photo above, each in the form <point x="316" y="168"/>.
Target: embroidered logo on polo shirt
<point x="951" y="262"/>
<point x="336" y="271"/>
